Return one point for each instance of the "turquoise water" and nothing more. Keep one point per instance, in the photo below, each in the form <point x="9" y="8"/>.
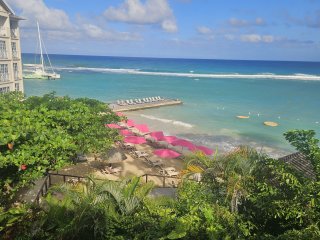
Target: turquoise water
<point x="214" y="92"/>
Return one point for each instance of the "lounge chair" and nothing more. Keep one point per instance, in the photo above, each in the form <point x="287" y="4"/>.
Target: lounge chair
<point x="154" y="162"/>
<point x="170" y="171"/>
<point x="128" y="102"/>
<point x="141" y="154"/>
<point x="129" y="146"/>
<point x="111" y="170"/>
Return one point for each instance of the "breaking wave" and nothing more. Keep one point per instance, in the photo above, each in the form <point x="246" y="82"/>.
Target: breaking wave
<point x="297" y="76"/>
<point x="179" y="123"/>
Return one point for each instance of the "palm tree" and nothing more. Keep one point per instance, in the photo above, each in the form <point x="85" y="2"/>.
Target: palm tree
<point x="227" y="174"/>
<point x="92" y="210"/>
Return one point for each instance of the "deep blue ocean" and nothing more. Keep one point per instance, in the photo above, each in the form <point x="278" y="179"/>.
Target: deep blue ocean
<point x="214" y="92"/>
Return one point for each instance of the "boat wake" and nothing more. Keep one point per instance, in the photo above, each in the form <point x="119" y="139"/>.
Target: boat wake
<point x="297" y="76"/>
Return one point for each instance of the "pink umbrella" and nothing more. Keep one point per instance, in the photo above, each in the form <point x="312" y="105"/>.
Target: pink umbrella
<point x="130" y="123"/>
<point x="120" y="114"/>
<point x="205" y="150"/>
<point x="166" y="153"/>
<point x="157" y="135"/>
<point x="169" y="139"/>
<point x="142" y="128"/>
<point x="126" y="132"/>
<point x="113" y="125"/>
<point x="135" y="140"/>
<point x="184" y="143"/>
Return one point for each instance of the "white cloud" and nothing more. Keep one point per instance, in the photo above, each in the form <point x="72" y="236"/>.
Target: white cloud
<point x="204" y="30"/>
<point x="255" y="38"/>
<point x="149" y="12"/>
<point x="96" y="32"/>
<point x="235" y="22"/>
<point x="37" y="10"/>
<point x="229" y="37"/>
<point x="55" y="24"/>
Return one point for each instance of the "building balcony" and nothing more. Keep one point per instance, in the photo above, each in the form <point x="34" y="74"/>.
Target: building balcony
<point x="15" y="55"/>
<point x="4" y="77"/>
<point x="3" y="55"/>
<point x="14" y="33"/>
<point x="16" y="76"/>
<point x="3" y="32"/>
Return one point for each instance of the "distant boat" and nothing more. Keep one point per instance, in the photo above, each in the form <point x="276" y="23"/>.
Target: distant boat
<point x="40" y="71"/>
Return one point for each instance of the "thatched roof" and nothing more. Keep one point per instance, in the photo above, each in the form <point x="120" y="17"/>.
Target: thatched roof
<point x="299" y="162"/>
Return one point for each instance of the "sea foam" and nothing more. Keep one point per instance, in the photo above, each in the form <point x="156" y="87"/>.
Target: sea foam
<point x="174" y="122"/>
<point x="297" y="76"/>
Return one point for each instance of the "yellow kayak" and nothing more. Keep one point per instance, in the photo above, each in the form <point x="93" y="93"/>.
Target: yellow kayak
<point x="243" y="117"/>
<point x="271" y="124"/>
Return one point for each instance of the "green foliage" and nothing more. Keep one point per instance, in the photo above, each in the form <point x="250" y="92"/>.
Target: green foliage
<point x="12" y="220"/>
<point x="305" y="142"/>
<point x="94" y="210"/>
<point x="45" y="133"/>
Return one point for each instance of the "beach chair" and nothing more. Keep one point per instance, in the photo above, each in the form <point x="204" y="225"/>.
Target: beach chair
<point x="154" y="162"/>
<point x="171" y="172"/>
<point x="129" y="146"/>
<point x="140" y="154"/>
<point x="127" y="101"/>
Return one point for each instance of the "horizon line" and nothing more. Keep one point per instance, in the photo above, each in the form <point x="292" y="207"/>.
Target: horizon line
<point x="178" y="58"/>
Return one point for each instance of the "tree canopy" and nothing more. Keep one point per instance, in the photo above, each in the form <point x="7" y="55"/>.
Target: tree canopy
<point x="45" y="133"/>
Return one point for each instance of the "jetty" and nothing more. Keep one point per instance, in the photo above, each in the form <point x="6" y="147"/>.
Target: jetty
<point x="144" y="103"/>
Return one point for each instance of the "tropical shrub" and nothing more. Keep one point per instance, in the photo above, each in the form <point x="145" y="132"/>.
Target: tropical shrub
<point x="93" y="210"/>
<point x="45" y="133"/>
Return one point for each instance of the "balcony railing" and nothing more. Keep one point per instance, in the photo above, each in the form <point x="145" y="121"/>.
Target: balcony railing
<point x="3" y="55"/>
<point x="14" y="33"/>
<point x="3" y="32"/>
<point x="4" y="77"/>
<point x="16" y="75"/>
<point x="15" y="55"/>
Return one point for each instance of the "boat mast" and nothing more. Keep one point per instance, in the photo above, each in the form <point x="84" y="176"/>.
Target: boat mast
<point x="41" y="54"/>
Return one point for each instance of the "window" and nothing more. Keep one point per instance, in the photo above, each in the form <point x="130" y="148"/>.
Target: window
<point x="15" y="71"/>
<point x="4" y="89"/>
<point x="17" y="86"/>
<point x="14" y="50"/>
<point x="4" y="74"/>
<point x="3" y="49"/>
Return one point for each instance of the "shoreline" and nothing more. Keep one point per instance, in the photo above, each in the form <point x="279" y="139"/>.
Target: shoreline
<point x="220" y="142"/>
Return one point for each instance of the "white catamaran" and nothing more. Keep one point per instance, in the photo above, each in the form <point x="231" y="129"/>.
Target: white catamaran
<point x="40" y="71"/>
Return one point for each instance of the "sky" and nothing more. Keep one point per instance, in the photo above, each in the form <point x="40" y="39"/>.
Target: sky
<point x="207" y="29"/>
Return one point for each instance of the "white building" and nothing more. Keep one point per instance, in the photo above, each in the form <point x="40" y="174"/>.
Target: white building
<point x="10" y="51"/>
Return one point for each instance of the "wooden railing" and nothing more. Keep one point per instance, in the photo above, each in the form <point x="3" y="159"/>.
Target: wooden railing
<point x="47" y="183"/>
<point x="164" y="178"/>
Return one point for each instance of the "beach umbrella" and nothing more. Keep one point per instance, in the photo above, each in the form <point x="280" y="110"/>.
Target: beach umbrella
<point x="135" y="140"/>
<point x="120" y="114"/>
<point x="166" y="153"/>
<point x="205" y="150"/>
<point x="184" y="144"/>
<point x="126" y="132"/>
<point x="157" y="135"/>
<point x="113" y="126"/>
<point x="169" y="139"/>
<point x="143" y="128"/>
